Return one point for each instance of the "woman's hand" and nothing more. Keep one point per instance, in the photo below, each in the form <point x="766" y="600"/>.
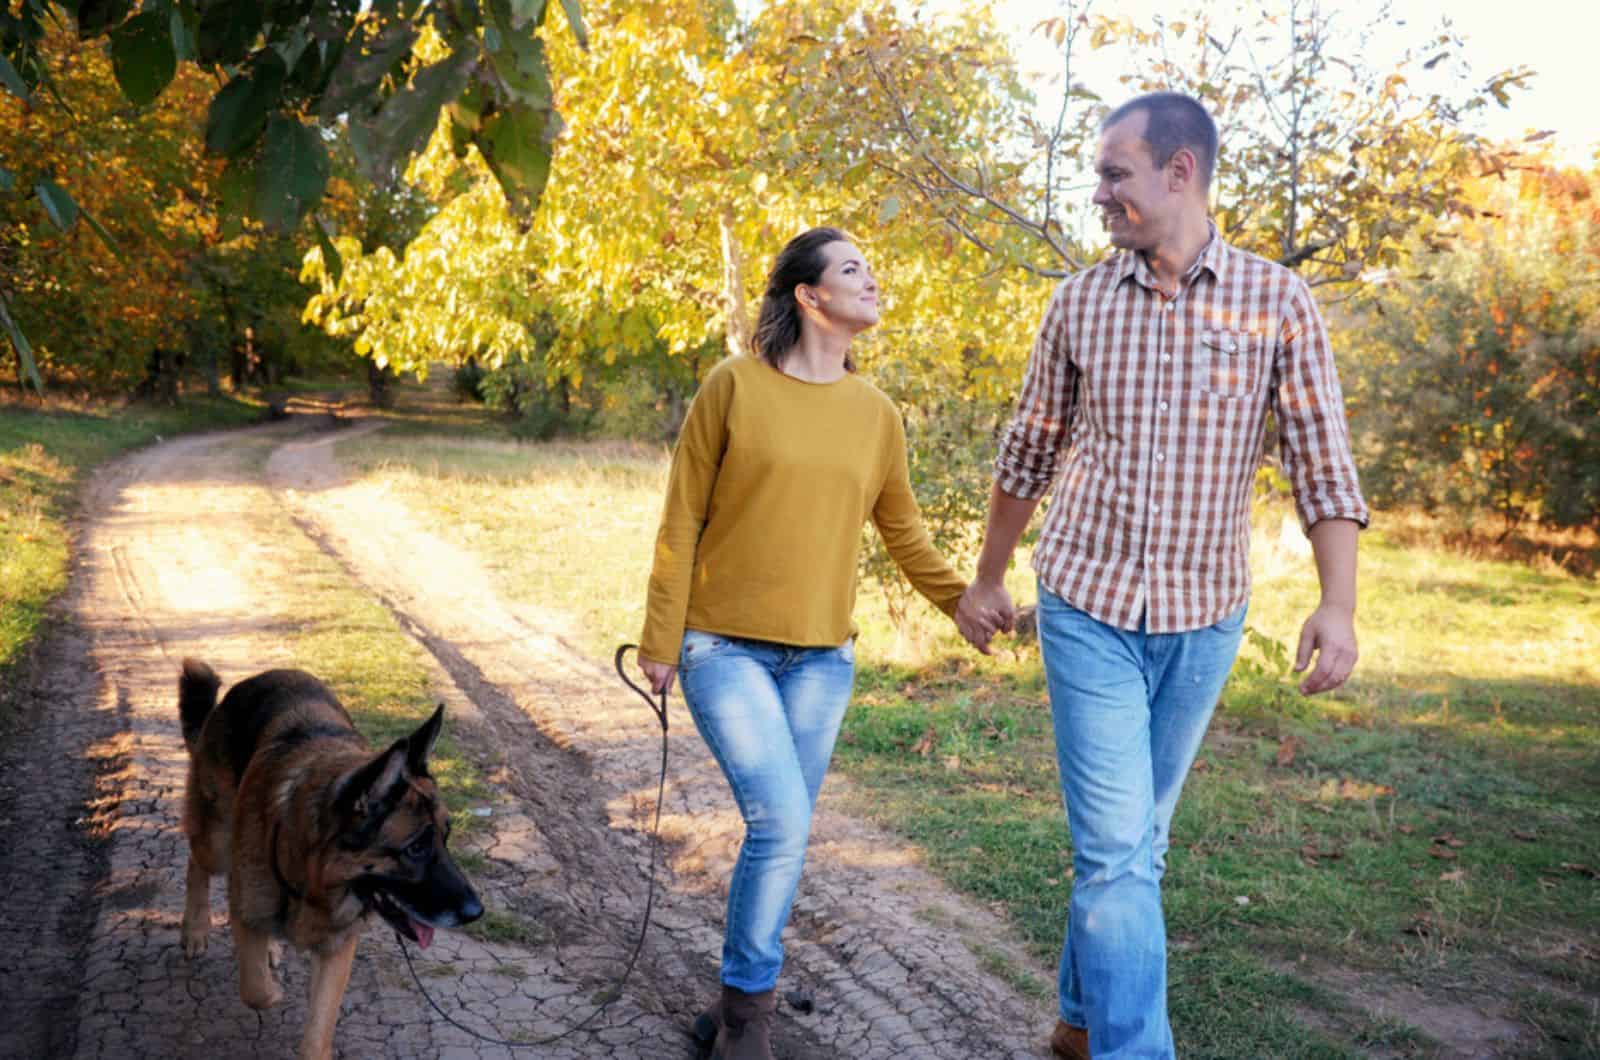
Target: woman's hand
<point x="658" y="674"/>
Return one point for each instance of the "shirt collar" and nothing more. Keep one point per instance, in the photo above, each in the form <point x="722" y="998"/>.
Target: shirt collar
<point x="1214" y="257"/>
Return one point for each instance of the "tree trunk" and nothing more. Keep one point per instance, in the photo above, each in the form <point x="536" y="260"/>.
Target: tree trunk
<point x="733" y="304"/>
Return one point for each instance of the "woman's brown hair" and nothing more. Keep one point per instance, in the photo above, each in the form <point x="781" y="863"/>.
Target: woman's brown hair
<point x="801" y="261"/>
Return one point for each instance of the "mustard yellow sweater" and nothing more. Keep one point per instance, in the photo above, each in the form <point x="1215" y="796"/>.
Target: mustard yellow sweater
<point x="772" y="481"/>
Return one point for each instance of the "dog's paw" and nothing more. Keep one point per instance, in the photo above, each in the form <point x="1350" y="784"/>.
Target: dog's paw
<point x="195" y="937"/>
<point x="262" y="995"/>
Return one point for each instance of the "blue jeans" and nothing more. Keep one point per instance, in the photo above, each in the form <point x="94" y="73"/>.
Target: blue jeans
<point x="770" y="714"/>
<point x="1130" y="710"/>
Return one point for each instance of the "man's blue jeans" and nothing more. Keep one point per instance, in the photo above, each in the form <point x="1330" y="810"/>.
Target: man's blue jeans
<point x="770" y="714"/>
<point x="1130" y="710"/>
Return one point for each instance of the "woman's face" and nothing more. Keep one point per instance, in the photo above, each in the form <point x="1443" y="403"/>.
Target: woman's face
<point x="846" y="295"/>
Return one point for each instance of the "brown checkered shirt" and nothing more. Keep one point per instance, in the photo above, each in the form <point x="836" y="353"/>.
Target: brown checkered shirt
<point x="1154" y="411"/>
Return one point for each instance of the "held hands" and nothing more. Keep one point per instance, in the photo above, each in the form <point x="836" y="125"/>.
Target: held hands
<point x="659" y="675"/>
<point x="985" y="609"/>
<point x="1331" y="633"/>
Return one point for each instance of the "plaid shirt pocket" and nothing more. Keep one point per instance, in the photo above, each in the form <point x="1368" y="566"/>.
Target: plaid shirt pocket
<point x="1231" y="362"/>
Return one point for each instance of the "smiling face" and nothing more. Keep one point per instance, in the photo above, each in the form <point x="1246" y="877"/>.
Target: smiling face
<point x="846" y="295"/>
<point x="1140" y="202"/>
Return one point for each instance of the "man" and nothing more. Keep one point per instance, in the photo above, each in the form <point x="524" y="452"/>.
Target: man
<point x="1148" y="391"/>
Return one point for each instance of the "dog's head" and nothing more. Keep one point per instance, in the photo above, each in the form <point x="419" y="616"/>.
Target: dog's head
<point x="392" y="828"/>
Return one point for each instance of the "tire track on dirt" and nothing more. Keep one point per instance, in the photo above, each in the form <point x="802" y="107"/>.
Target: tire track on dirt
<point x="887" y="950"/>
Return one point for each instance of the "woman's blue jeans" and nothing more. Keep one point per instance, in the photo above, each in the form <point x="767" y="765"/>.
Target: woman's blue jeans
<point x="1130" y="710"/>
<point x="770" y="714"/>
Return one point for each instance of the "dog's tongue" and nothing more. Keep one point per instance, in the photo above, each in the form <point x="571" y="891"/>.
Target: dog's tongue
<point x="424" y="933"/>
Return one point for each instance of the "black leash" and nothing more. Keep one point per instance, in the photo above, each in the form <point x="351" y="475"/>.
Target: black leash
<point x="658" y="706"/>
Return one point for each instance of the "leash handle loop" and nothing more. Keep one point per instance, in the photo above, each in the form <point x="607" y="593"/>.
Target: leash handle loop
<point x="657" y="701"/>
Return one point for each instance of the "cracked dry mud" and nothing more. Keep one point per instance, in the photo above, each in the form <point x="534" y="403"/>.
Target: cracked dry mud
<point x="198" y="547"/>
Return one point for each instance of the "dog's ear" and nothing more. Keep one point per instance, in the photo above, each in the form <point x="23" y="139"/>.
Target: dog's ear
<point x="420" y="743"/>
<point x="368" y="793"/>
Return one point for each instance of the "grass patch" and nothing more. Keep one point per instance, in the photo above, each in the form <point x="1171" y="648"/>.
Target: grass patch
<point x="498" y="925"/>
<point x="1436" y="820"/>
<point x="45" y="455"/>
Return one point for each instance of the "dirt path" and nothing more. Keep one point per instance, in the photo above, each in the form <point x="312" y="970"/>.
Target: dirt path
<point x="199" y="546"/>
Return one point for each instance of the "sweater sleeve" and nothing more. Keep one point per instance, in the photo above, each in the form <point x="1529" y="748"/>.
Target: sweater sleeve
<point x="899" y="523"/>
<point x="693" y="475"/>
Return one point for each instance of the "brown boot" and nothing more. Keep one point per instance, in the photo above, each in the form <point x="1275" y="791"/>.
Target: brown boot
<point x="707" y="1025"/>
<point x="746" y="1025"/>
<point x="1069" y="1042"/>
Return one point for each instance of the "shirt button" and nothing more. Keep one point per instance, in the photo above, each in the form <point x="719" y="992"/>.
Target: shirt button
<point x="1166" y="356"/>
<point x="1155" y="507"/>
<point x="1163" y="406"/>
<point x="1170" y="306"/>
<point x="1161" y="456"/>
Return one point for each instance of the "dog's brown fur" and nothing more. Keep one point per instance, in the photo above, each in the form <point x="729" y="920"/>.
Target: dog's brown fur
<point x="313" y="830"/>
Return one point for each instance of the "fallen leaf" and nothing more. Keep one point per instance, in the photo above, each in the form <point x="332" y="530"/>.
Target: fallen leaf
<point x="1453" y="876"/>
<point x="1582" y="870"/>
<point x="924" y="746"/>
<point x="1449" y="839"/>
<point x="1286" y="749"/>
<point x="1404" y="829"/>
<point x="1530" y="836"/>
<point x="1200" y="765"/>
<point x="1443" y="853"/>
<point x="952" y="763"/>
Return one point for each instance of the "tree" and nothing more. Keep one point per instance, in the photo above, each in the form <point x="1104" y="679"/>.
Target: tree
<point x="293" y="72"/>
<point x="1328" y="161"/>
<point x="1479" y="383"/>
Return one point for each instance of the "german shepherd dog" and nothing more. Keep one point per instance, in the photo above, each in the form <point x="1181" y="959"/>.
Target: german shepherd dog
<point x="314" y="832"/>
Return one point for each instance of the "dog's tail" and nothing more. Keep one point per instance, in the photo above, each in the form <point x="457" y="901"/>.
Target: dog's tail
<point x="197" y="695"/>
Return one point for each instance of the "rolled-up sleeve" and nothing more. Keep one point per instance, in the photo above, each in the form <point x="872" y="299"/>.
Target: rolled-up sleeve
<point x="1026" y="462"/>
<point x="1314" y="436"/>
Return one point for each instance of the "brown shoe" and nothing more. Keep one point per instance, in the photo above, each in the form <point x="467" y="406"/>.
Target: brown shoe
<point x="746" y="1031"/>
<point x="1069" y="1042"/>
<point x="707" y="1026"/>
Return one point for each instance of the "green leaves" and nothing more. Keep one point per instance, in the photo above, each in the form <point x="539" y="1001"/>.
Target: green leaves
<point x="519" y="63"/>
<point x="19" y="341"/>
<point x="406" y="121"/>
<point x="291" y="173"/>
<point x="58" y="205"/>
<point x="12" y="80"/>
<point x="143" y="57"/>
<point x="239" y="112"/>
<point x="363" y="65"/>
<point x="227" y="31"/>
<point x="97" y="16"/>
<point x="575" y="19"/>
<point x="331" y="261"/>
<point x="514" y="144"/>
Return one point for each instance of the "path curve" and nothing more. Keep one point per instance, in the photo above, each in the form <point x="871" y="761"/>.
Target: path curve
<point x="199" y="546"/>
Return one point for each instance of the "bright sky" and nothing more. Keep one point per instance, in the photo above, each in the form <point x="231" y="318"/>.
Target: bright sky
<point x="1557" y="38"/>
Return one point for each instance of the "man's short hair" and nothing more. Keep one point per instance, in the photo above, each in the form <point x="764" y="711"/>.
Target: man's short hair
<point x="1175" y="121"/>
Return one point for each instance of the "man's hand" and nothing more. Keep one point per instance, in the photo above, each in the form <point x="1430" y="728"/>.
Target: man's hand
<point x="1331" y="633"/>
<point x="658" y="674"/>
<point x="984" y="610"/>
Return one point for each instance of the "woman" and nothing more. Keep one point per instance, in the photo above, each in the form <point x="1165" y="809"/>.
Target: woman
<point x="783" y="457"/>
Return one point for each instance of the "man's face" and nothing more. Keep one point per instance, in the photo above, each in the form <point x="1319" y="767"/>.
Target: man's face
<point x="1137" y="201"/>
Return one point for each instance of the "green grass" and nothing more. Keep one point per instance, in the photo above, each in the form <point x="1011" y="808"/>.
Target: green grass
<point x="45" y="455"/>
<point x="1433" y="822"/>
